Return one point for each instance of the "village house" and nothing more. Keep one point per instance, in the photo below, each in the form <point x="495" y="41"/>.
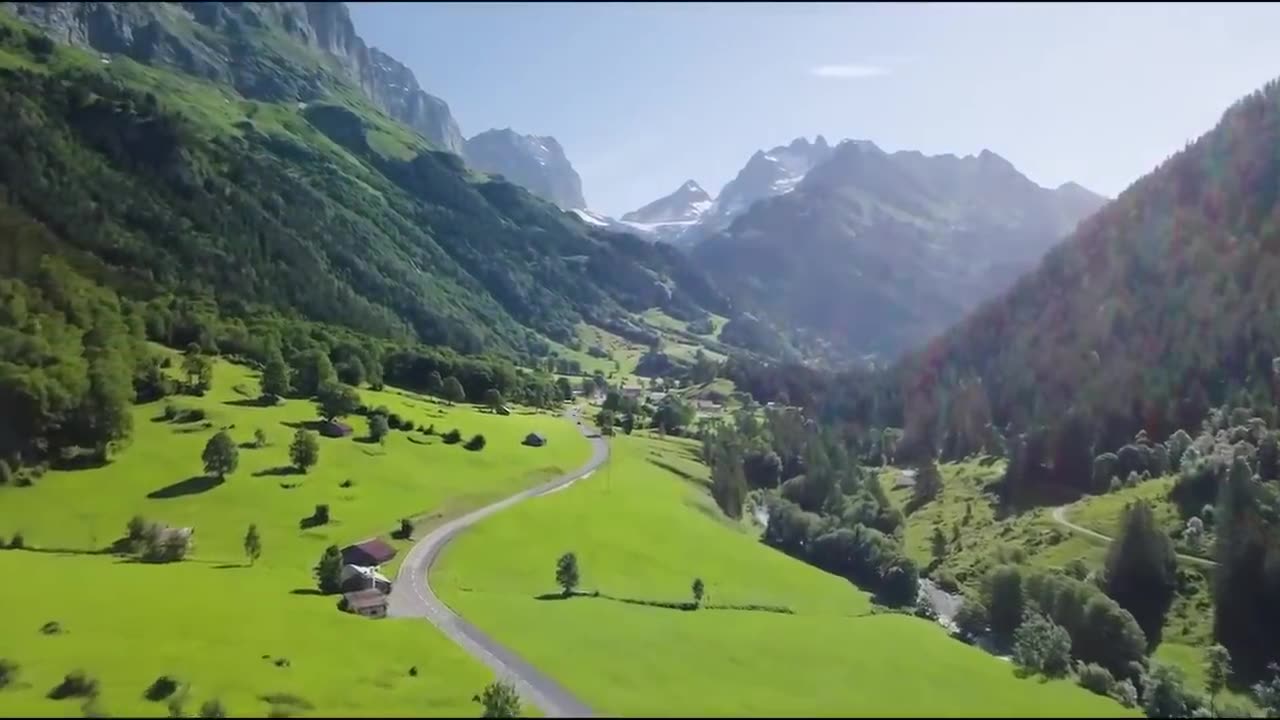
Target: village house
<point x="353" y="578"/>
<point x="369" y="553"/>
<point x="336" y="429"/>
<point x="365" y="603"/>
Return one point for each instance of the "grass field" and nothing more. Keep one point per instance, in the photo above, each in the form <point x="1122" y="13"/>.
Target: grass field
<point x="1102" y="513"/>
<point x="643" y="528"/>
<point x="210" y="619"/>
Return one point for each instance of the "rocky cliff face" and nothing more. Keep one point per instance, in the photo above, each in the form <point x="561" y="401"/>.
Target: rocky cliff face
<point x="536" y="163"/>
<point x="238" y="43"/>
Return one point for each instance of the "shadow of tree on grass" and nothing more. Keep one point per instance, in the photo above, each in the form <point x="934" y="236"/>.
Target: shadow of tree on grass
<point x="277" y="471"/>
<point x="191" y="486"/>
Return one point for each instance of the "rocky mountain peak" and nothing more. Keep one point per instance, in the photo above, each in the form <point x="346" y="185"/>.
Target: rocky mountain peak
<point x="536" y="162"/>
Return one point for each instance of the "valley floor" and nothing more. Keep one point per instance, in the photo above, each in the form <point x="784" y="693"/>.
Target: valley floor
<point x="643" y="528"/>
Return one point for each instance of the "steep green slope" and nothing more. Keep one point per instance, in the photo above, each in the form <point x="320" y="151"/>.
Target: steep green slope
<point x="1160" y="306"/>
<point x="325" y="208"/>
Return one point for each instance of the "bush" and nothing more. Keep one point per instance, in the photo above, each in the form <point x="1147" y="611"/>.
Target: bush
<point x="405" y="531"/>
<point x="163" y="687"/>
<point x="1041" y="646"/>
<point x="212" y="709"/>
<point x="971" y="619"/>
<point x="946" y="580"/>
<point x="53" y="627"/>
<point x="1076" y="568"/>
<point x="378" y="427"/>
<point x="395" y="422"/>
<point x="1125" y="693"/>
<point x="1164" y="694"/>
<point x="476" y="443"/>
<point x="75" y="684"/>
<point x="8" y="672"/>
<point x="429" y="430"/>
<point x="6" y="473"/>
<point x="321" y="513"/>
<point x="451" y="437"/>
<point x="18" y="542"/>
<point x="1094" y="678"/>
<point x="407" y="426"/>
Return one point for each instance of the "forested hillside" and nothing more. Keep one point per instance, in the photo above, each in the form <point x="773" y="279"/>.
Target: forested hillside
<point x="138" y="203"/>
<point x="1159" y="307"/>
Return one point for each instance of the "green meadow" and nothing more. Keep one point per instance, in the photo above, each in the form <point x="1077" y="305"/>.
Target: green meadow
<point x="643" y="528"/>
<point x="210" y="619"/>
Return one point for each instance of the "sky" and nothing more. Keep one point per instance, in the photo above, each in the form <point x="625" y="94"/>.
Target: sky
<point x="645" y="96"/>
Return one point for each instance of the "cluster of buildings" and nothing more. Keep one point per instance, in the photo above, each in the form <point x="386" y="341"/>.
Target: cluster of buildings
<point x="364" y="588"/>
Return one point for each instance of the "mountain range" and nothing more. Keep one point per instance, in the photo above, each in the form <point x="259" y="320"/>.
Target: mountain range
<point x="250" y="156"/>
<point x="873" y="253"/>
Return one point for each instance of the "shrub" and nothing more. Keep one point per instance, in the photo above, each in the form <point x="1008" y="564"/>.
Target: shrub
<point x="6" y="473"/>
<point x="1076" y="568"/>
<point x="395" y="421"/>
<point x="212" y="709"/>
<point x="407" y="426"/>
<point x="1164" y="694"/>
<point x="476" y="443"/>
<point x="946" y="580"/>
<point x="429" y="430"/>
<point x="53" y="627"/>
<point x="1041" y="646"/>
<point x="347" y="483"/>
<point x="170" y="411"/>
<point x="500" y="700"/>
<point x="18" y="542"/>
<point x="378" y="427"/>
<point x="163" y="687"/>
<point x="8" y="672"/>
<point x="405" y="531"/>
<point x="75" y="684"/>
<point x="321" y="513"/>
<point x="451" y="437"/>
<point x="1094" y="678"/>
<point x="1125" y="693"/>
<point x="971" y="619"/>
<point x="259" y="438"/>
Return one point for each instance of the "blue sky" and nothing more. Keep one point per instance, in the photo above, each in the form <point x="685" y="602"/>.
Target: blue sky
<point x="644" y="96"/>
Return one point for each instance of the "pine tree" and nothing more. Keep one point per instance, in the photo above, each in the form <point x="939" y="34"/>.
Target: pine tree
<point x="1141" y="570"/>
<point x="252" y="544"/>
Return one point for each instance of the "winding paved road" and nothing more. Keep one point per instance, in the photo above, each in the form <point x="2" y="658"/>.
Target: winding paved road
<point x="1060" y="517"/>
<point x="412" y="596"/>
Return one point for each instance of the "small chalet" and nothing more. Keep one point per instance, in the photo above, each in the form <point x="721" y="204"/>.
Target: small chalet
<point x="534" y="439"/>
<point x="370" y="553"/>
<point x="366" y="603"/>
<point x="356" y="577"/>
<point x="335" y="429"/>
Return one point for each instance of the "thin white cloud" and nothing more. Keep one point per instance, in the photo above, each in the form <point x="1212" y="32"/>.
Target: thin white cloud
<point x="848" y="71"/>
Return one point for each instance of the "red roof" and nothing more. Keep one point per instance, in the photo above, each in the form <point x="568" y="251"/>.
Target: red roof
<point x="373" y="551"/>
